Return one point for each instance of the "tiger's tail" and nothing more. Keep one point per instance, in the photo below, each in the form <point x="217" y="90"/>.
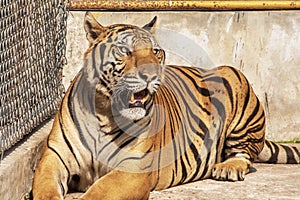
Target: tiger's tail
<point x="279" y="153"/>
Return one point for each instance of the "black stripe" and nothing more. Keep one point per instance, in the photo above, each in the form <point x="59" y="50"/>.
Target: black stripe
<point x="253" y="114"/>
<point x="297" y="152"/>
<point x="140" y="158"/>
<point x="245" y="104"/>
<point x="205" y="171"/>
<point x="71" y="108"/>
<point x="124" y="29"/>
<point x="69" y="100"/>
<point x="117" y="134"/>
<point x="94" y="67"/>
<point x="220" y="143"/>
<point x="65" y="137"/>
<point x="208" y="145"/>
<point x="197" y="158"/>
<point x="196" y="118"/>
<point x="290" y="155"/>
<point x="148" y="166"/>
<point x="102" y="52"/>
<point x="69" y="145"/>
<point x="255" y="148"/>
<point x="236" y="72"/>
<point x="94" y="59"/>
<point x="226" y="84"/>
<point x="259" y="118"/>
<point x="229" y="91"/>
<point x="198" y="72"/>
<point x="257" y="128"/>
<point x="220" y="108"/>
<point x="203" y="91"/>
<point x="186" y="146"/>
<point x="80" y="85"/>
<point x="249" y="118"/>
<point x="92" y="165"/>
<point x="173" y="127"/>
<point x="183" y="172"/>
<point x="120" y="148"/>
<point x="63" y="190"/>
<point x="173" y="176"/>
<point x="201" y="70"/>
<point x="201" y="125"/>
<point x="274" y="154"/>
<point x="246" y="101"/>
<point x="174" y="114"/>
<point x="60" y="158"/>
<point x="186" y="87"/>
<point x="159" y="159"/>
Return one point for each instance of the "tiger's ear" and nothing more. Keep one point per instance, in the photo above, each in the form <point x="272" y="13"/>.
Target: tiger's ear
<point x="151" y="26"/>
<point x="92" y="28"/>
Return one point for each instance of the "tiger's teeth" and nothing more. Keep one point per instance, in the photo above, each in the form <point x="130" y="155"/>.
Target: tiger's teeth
<point x="132" y="98"/>
<point x="144" y="99"/>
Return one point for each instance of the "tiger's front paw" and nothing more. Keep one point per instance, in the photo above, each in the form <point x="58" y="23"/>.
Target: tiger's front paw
<point x="231" y="170"/>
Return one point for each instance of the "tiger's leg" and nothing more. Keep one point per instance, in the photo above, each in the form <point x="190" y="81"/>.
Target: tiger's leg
<point x="239" y="154"/>
<point x="118" y="185"/>
<point x="50" y="178"/>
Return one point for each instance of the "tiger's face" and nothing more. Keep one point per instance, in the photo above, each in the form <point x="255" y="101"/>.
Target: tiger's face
<point x="130" y="65"/>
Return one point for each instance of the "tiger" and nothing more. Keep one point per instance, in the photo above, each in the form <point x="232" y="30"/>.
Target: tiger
<point x="130" y="124"/>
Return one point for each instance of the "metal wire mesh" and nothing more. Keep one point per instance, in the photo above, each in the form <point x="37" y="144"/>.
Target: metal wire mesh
<point x="32" y="53"/>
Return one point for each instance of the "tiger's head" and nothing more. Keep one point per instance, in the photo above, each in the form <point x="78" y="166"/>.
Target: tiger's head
<point x="129" y="63"/>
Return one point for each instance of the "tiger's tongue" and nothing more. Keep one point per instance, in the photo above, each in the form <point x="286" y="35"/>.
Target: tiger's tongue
<point x="139" y="95"/>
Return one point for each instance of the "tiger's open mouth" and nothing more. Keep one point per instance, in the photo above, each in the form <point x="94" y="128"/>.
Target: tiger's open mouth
<point x="138" y="99"/>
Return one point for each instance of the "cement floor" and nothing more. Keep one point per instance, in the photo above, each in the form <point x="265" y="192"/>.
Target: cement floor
<point x="267" y="181"/>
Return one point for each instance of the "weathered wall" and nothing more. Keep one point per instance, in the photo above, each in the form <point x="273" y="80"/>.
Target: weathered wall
<point x="264" y="45"/>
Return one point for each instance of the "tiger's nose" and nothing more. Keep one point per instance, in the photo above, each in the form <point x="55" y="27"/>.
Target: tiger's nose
<point x="147" y="76"/>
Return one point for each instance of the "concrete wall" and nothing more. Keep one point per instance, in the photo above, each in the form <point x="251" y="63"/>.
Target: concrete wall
<point x="264" y="45"/>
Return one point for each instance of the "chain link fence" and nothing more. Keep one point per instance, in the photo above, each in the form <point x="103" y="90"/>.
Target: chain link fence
<point x="32" y="53"/>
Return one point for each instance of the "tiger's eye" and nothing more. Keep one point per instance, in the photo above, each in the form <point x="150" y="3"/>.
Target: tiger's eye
<point x="156" y="51"/>
<point x="124" y="50"/>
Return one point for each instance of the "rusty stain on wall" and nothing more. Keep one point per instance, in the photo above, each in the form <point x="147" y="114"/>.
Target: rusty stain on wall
<point x="181" y="5"/>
